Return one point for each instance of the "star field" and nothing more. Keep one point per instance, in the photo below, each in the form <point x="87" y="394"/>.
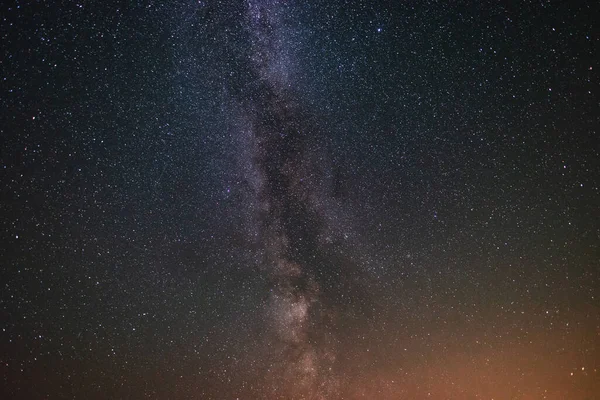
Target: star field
<point x="271" y="199"/>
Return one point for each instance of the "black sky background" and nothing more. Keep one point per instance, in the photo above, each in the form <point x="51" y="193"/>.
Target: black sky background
<point x="431" y="170"/>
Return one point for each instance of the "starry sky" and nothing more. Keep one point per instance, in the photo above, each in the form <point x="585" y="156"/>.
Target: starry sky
<point x="285" y="199"/>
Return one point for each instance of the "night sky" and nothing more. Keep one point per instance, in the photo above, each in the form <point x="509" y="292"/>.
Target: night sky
<point x="269" y="199"/>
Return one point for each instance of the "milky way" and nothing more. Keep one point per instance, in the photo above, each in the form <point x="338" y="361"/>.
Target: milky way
<point x="299" y="200"/>
<point x="289" y="223"/>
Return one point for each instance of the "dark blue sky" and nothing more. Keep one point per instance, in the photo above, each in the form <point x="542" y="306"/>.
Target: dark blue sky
<point x="274" y="199"/>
